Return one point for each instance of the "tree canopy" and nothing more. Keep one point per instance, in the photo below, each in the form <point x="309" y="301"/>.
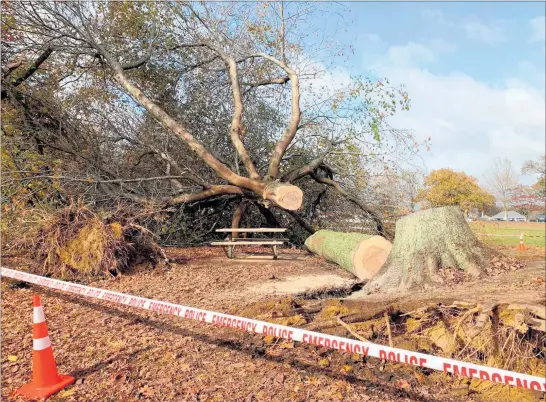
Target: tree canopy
<point x="446" y="187"/>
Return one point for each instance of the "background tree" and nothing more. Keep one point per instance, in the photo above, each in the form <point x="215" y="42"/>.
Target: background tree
<point x="445" y="187"/>
<point x="525" y="200"/>
<point x="501" y="179"/>
<point x="537" y="167"/>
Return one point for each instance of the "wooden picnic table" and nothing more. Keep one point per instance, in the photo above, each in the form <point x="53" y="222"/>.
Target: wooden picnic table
<point x="231" y="242"/>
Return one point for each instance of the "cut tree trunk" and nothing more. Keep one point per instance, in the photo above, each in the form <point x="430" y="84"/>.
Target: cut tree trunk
<point x="361" y="254"/>
<point x="284" y="195"/>
<point x="425" y="242"/>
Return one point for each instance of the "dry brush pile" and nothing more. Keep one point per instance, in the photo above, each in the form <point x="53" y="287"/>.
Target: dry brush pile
<point x="75" y="242"/>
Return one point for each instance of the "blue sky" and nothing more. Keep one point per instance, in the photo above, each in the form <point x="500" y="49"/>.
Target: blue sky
<point x="475" y="73"/>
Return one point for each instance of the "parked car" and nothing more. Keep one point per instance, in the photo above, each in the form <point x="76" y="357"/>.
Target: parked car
<point x="541" y="218"/>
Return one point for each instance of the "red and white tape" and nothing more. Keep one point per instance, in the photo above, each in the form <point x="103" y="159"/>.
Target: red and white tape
<point x="292" y="334"/>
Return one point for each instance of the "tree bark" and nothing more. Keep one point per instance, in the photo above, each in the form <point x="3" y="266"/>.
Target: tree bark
<point x="360" y="254"/>
<point x="425" y="242"/>
<point x="237" y="217"/>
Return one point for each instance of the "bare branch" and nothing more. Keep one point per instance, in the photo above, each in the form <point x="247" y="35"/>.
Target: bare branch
<point x="334" y="184"/>
<point x="31" y="70"/>
<point x="288" y="136"/>
<point x="236" y="122"/>
<point x="307" y="169"/>
<point x="222" y="170"/>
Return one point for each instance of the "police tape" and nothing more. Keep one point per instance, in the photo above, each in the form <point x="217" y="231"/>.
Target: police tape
<point x="455" y="367"/>
<point x="504" y="235"/>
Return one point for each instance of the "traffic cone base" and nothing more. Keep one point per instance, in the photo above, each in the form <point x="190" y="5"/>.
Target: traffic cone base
<point x="45" y="379"/>
<point x="32" y="391"/>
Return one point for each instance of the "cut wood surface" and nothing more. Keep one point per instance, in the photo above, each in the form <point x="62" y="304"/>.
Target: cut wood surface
<point x="253" y="230"/>
<point x="361" y="254"/>
<point x="257" y="239"/>
<point x="284" y="195"/>
<point x="245" y="243"/>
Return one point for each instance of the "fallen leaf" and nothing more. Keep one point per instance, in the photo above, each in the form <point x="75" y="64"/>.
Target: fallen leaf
<point x="269" y="339"/>
<point x="403" y="384"/>
<point x="287" y="345"/>
<point x="12" y="358"/>
<point x="279" y="379"/>
<point x="347" y="368"/>
<point x="147" y="391"/>
<point x="420" y="377"/>
<point x="66" y="393"/>
<point x="324" y="363"/>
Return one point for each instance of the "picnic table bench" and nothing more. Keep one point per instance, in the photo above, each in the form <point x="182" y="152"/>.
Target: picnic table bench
<point x="230" y="243"/>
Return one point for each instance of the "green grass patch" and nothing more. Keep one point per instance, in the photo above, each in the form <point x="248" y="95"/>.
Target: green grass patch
<point x="534" y="233"/>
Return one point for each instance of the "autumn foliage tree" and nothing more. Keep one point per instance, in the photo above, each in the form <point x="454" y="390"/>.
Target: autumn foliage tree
<point x="446" y="187"/>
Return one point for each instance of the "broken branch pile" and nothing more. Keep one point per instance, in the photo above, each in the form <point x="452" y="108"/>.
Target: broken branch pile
<point x="76" y="242"/>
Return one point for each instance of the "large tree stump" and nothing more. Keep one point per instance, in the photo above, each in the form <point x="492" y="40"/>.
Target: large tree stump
<point x="425" y="242"/>
<point x="361" y="254"/>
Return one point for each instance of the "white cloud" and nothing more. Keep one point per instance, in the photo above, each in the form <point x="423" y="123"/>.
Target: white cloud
<point x="469" y="121"/>
<point x="370" y="38"/>
<point x="410" y="54"/>
<point x="491" y="31"/>
<point x="479" y="31"/>
<point x="538" y="27"/>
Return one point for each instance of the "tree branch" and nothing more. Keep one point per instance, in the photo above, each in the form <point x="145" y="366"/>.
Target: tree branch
<point x="272" y="81"/>
<point x="92" y="180"/>
<point x="306" y="169"/>
<point x="300" y="220"/>
<point x="222" y="170"/>
<point x="236" y="122"/>
<point x="31" y="70"/>
<point x="288" y="135"/>
<point x="138" y="62"/>
<point x="210" y="192"/>
<point x="334" y="184"/>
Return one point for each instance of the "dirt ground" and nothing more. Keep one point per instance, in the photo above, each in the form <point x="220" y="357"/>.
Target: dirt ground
<point x="117" y="353"/>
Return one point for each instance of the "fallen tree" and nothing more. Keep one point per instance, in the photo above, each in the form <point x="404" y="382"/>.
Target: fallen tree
<point x="361" y="254"/>
<point x="171" y="106"/>
<point x="427" y="242"/>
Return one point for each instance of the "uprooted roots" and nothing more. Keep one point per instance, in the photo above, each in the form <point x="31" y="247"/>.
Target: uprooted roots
<point x="76" y="242"/>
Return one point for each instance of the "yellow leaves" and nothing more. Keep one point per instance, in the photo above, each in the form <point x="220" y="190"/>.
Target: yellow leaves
<point x="66" y="393"/>
<point x="12" y="358"/>
<point x="447" y="187"/>
<point x="269" y="339"/>
<point x="324" y="363"/>
<point x="347" y="368"/>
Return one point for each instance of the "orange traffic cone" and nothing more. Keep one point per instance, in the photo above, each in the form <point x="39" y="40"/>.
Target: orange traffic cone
<point x="521" y="244"/>
<point x="45" y="378"/>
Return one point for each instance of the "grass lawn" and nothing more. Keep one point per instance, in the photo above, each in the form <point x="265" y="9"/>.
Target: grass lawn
<point x="511" y="228"/>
